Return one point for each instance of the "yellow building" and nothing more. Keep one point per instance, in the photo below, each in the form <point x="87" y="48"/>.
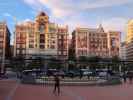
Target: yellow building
<point x="40" y="38"/>
<point x="129" y="40"/>
<point x="129" y="36"/>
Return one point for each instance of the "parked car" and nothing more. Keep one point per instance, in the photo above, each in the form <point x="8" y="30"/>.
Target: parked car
<point x="102" y="73"/>
<point x="72" y="73"/>
<point x="130" y="74"/>
<point x="86" y="72"/>
<point x="51" y="72"/>
<point x="33" y="72"/>
<point x="61" y="73"/>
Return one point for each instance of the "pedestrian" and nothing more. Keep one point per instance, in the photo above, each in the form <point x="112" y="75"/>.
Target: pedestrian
<point x="130" y="77"/>
<point x="81" y="74"/>
<point x="124" y="77"/>
<point x="56" y="84"/>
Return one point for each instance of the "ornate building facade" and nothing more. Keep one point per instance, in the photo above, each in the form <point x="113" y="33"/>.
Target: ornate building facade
<point x="41" y="38"/>
<point x="114" y="43"/>
<point x="95" y="42"/>
<point x="4" y="45"/>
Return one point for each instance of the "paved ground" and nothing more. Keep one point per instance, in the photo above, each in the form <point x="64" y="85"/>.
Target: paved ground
<point x="12" y="91"/>
<point x="6" y="87"/>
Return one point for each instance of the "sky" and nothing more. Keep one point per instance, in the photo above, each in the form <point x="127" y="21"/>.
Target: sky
<point x="112" y="14"/>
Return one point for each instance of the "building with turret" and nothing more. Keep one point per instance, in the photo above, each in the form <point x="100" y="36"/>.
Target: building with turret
<point x="41" y="38"/>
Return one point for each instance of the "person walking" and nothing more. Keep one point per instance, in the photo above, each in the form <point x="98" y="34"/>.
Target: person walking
<point x="56" y="84"/>
<point x="124" y="77"/>
<point x="130" y="77"/>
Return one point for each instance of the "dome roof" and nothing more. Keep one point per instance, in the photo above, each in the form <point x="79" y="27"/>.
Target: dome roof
<point x="42" y="14"/>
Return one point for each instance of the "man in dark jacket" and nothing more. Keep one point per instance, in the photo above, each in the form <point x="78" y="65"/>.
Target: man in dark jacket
<point x="124" y="77"/>
<point x="130" y="76"/>
<point x="56" y="84"/>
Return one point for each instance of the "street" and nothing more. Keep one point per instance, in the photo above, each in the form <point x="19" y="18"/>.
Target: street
<point x="16" y="91"/>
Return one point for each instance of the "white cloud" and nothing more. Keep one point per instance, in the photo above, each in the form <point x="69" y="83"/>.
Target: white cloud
<point x="106" y="3"/>
<point x="24" y="21"/>
<point x="111" y="24"/>
<point x="116" y="24"/>
<point x="35" y="4"/>
<point x="61" y="8"/>
<point x="7" y="15"/>
<point x="69" y="8"/>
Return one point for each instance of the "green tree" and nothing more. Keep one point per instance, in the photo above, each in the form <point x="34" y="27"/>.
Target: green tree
<point x="83" y="59"/>
<point x="55" y="63"/>
<point x="36" y="64"/>
<point x="71" y="54"/>
<point x="93" y="62"/>
<point x="18" y="63"/>
<point x="115" y="63"/>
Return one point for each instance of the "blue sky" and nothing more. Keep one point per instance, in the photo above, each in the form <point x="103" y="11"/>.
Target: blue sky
<point x="112" y="14"/>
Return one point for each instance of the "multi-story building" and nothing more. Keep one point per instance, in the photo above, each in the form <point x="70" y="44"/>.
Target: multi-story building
<point x="90" y="42"/>
<point x="4" y="45"/>
<point x="129" y="40"/>
<point x="129" y="36"/>
<point x="114" y="43"/>
<point x="123" y="51"/>
<point x="62" y="39"/>
<point x="129" y="51"/>
<point x="41" y="38"/>
<point x="95" y="42"/>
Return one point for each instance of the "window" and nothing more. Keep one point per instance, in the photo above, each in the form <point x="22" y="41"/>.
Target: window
<point x="60" y="37"/>
<point x="1" y="45"/>
<point x="52" y="47"/>
<point x="41" y="28"/>
<point x="53" y="41"/>
<point x="65" y="52"/>
<point x="31" y="46"/>
<point x="23" y="51"/>
<point x="1" y="34"/>
<point x="31" y="41"/>
<point x="23" y="45"/>
<point x="18" y="46"/>
<point x="31" y="35"/>
<point x="1" y="51"/>
<point x="1" y="39"/>
<point x="41" y="36"/>
<point x="59" y="52"/>
<point x="41" y="46"/>
<point x="113" y="44"/>
<point x="42" y="41"/>
<point x="18" y="51"/>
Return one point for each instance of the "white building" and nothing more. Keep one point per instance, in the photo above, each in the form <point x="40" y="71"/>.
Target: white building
<point x="123" y="51"/>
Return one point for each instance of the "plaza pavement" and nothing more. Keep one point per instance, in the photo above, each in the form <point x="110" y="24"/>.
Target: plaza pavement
<point x="16" y="91"/>
<point x="6" y="88"/>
